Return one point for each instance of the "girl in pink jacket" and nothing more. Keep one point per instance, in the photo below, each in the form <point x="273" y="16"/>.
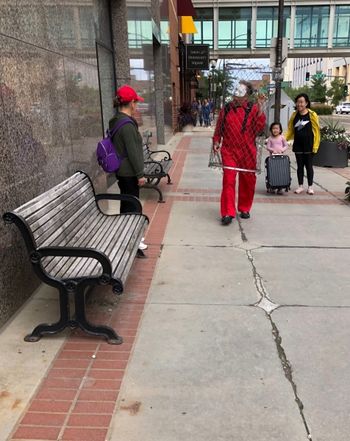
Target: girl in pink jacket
<point x="276" y="143"/>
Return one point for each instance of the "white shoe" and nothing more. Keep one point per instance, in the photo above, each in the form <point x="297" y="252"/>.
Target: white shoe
<point x="142" y="245"/>
<point x="310" y="190"/>
<point x="299" y="190"/>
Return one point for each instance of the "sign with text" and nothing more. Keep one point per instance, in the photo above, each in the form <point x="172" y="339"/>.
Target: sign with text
<point x="197" y="56"/>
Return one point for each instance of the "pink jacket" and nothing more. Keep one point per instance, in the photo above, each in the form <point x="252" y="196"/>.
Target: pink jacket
<point x="276" y="145"/>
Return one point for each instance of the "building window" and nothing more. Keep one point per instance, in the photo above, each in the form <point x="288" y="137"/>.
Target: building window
<point x="267" y="23"/>
<point x="235" y="28"/>
<point x="204" y="23"/>
<point x="311" y="26"/>
<point x="139" y="27"/>
<point x="342" y="26"/>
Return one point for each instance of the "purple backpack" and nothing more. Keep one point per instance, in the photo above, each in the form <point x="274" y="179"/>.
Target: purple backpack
<point x="106" y="153"/>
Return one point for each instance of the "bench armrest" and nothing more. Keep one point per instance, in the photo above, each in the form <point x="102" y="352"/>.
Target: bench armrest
<point x="121" y="197"/>
<point x="159" y="165"/>
<point x="154" y="152"/>
<point x="91" y="253"/>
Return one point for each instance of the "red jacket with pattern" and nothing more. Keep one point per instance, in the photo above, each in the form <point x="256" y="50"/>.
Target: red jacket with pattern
<point x="239" y="145"/>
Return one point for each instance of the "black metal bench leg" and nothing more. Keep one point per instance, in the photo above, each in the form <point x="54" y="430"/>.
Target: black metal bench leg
<point x="53" y="328"/>
<point x="169" y="179"/>
<point x="80" y="318"/>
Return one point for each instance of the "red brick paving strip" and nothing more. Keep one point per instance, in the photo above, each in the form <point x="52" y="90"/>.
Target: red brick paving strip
<point x="76" y="399"/>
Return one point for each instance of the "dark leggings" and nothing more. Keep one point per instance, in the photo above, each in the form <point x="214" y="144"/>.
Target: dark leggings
<point x="305" y="160"/>
<point x="128" y="185"/>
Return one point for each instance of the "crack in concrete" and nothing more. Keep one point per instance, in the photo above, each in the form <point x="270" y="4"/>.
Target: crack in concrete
<point x="288" y="372"/>
<point x="269" y="306"/>
<point x="265" y="302"/>
<point x="243" y="235"/>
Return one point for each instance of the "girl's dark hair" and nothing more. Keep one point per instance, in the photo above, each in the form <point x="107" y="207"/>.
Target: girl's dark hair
<point x="303" y="95"/>
<point x="276" y="123"/>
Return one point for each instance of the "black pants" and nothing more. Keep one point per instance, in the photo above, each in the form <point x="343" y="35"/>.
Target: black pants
<point x="305" y="160"/>
<point x="128" y="185"/>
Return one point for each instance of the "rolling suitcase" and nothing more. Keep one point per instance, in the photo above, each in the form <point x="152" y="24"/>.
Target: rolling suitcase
<point x="278" y="174"/>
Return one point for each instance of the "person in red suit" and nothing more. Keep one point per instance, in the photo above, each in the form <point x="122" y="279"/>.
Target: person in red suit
<point x="239" y="122"/>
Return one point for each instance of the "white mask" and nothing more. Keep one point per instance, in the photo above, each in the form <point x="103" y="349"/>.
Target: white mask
<point x="240" y="90"/>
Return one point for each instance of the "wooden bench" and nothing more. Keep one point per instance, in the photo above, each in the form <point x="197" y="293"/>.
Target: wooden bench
<point x="73" y="245"/>
<point x="155" y="169"/>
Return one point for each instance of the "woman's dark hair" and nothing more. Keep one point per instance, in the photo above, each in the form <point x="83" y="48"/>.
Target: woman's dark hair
<point x="276" y="123"/>
<point x="306" y="97"/>
<point x="117" y="103"/>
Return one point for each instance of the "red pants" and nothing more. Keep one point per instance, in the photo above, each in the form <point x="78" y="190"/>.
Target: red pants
<point x="246" y="188"/>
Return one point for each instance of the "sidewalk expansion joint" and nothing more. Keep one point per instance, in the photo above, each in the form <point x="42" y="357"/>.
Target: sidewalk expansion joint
<point x="306" y="247"/>
<point x="288" y="372"/>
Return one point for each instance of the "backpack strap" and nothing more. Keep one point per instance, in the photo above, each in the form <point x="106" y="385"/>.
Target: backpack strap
<point x="122" y="122"/>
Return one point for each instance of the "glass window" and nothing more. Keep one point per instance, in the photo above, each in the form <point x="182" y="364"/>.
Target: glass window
<point x="204" y="24"/>
<point x="311" y="26"/>
<point x="342" y="26"/>
<point x="267" y="24"/>
<point x="235" y="27"/>
<point x="164" y="30"/>
<point x="139" y="27"/>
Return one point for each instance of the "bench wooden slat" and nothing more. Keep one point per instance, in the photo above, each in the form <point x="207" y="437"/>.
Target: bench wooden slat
<point x="86" y="241"/>
<point x="35" y="204"/>
<point x="99" y="242"/>
<point x="47" y="234"/>
<point x="78" y="237"/>
<point x="122" y="268"/>
<point x="49" y="210"/>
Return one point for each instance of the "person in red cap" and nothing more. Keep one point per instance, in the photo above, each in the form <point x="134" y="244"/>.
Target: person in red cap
<point x="128" y="143"/>
<point x="238" y="124"/>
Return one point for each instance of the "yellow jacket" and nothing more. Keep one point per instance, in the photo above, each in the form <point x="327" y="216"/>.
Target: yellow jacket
<point x="315" y="129"/>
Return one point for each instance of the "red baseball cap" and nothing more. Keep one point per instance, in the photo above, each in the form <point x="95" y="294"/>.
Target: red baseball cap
<point x="126" y="94"/>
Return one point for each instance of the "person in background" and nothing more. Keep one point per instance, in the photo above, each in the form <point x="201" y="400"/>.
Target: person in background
<point x="200" y="113"/>
<point x="239" y="122"/>
<point x="128" y="143"/>
<point x="206" y="113"/>
<point x="304" y="129"/>
<point x="194" y="111"/>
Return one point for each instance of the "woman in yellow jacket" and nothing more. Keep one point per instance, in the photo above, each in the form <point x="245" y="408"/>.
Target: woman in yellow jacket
<point x="304" y="129"/>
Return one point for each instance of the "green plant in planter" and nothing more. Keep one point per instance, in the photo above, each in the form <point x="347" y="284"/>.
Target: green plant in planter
<point x="334" y="132"/>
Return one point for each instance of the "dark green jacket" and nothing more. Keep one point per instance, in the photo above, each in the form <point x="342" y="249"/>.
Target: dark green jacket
<point x="128" y="143"/>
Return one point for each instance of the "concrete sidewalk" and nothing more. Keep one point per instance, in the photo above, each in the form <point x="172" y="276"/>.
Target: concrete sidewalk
<point x="232" y="333"/>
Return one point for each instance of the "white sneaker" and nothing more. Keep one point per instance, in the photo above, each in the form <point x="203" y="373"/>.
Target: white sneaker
<point x="299" y="190"/>
<point x="142" y="245"/>
<point x="310" y="190"/>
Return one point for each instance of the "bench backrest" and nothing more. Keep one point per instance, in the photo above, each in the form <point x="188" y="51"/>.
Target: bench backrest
<point x="54" y="213"/>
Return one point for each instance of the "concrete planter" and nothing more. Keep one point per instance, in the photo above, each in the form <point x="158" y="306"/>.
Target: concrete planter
<point x="329" y="155"/>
